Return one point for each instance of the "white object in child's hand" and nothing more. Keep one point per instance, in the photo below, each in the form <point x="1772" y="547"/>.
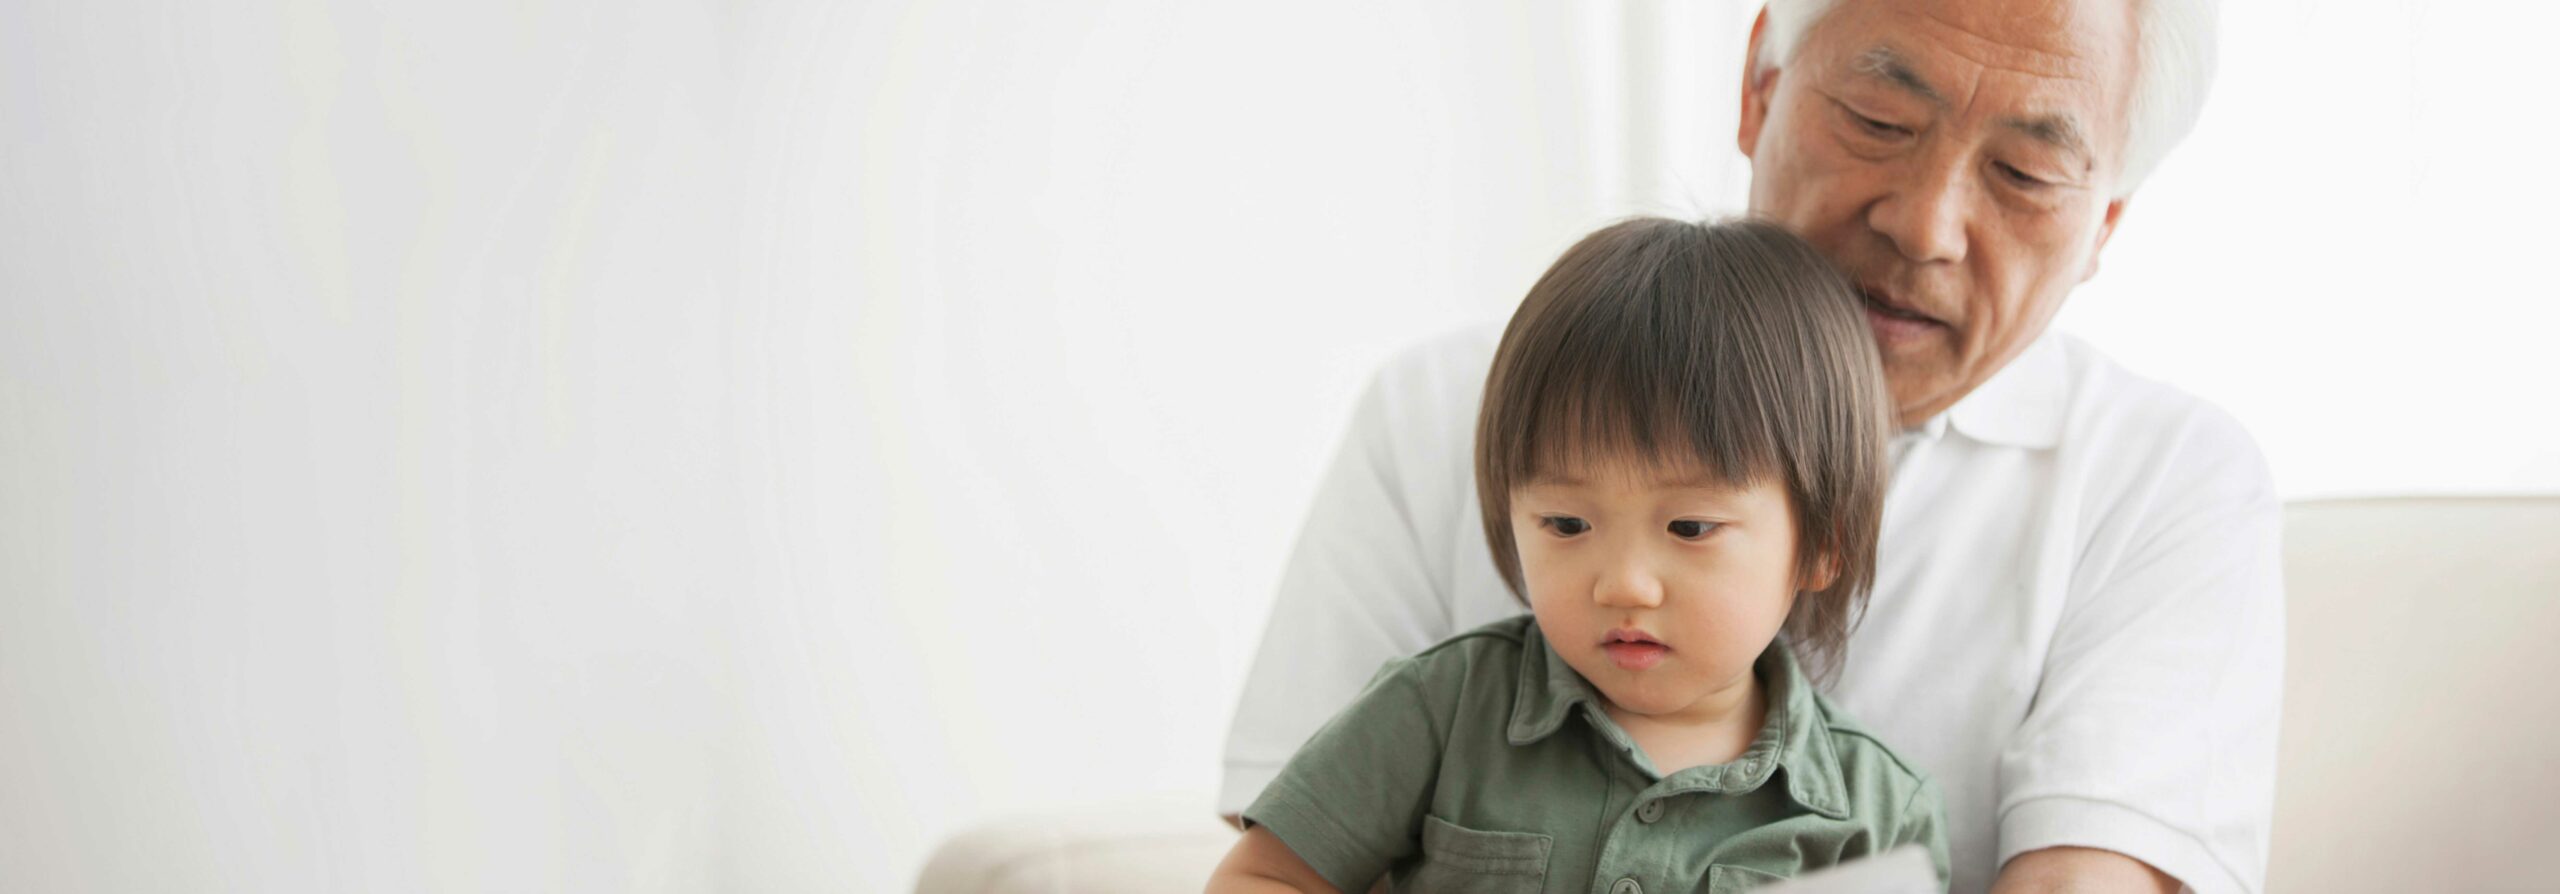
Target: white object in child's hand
<point x="1902" y="870"/>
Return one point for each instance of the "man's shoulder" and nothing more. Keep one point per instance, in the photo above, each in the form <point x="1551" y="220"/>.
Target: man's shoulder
<point x="1468" y="345"/>
<point x="1445" y="366"/>
<point x="2113" y="398"/>
<point x="2126" y="416"/>
<point x="1470" y="678"/>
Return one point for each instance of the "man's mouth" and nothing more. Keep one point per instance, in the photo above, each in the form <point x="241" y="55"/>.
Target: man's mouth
<point x="1894" y="321"/>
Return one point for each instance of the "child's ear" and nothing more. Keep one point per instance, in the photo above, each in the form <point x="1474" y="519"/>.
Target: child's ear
<point x="1824" y="573"/>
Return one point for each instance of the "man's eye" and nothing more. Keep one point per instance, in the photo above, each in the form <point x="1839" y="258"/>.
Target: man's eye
<point x="2018" y="177"/>
<point x="1565" y="525"/>
<point x="1878" y="128"/>
<point x="1692" y="529"/>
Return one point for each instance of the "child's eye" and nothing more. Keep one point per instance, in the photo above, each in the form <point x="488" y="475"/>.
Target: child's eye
<point x="1564" y="525"/>
<point x="1692" y="529"/>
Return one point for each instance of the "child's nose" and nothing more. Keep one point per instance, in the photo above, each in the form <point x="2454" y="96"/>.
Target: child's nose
<point x="1628" y="585"/>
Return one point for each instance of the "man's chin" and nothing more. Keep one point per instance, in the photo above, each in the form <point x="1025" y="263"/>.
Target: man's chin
<point x="1916" y="387"/>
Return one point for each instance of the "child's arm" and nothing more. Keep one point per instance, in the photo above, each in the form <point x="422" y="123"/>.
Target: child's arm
<point x="1349" y="805"/>
<point x="1261" y="863"/>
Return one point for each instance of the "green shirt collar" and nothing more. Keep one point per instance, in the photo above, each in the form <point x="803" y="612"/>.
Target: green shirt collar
<point x="1793" y="736"/>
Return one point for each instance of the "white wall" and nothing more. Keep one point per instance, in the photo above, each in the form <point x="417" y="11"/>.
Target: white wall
<point x="649" y="446"/>
<point x="659" y="446"/>
<point x="2351" y="253"/>
<point x="1067" y="304"/>
<point x="370" y="503"/>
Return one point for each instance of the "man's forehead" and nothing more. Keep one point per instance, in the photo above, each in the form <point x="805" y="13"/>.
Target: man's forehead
<point x="2063" y="69"/>
<point x="2080" y="40"/>
<point x="2058" y="126"/>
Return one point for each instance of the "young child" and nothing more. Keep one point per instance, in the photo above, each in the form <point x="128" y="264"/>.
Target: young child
<point x="1681" y="463"/>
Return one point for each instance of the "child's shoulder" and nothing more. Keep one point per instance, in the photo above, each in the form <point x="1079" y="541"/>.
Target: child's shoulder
<point x="1509" y="634"/>
<point x="1490" y="654"/>
<point x="1872" y="770"/>
<point x="1500" y="641"/>
<point x="1883" y="790"/>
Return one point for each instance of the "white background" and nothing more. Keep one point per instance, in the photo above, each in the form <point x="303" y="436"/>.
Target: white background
<point x="658" y="446"/>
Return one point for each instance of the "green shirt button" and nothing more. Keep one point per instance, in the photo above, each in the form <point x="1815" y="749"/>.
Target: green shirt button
<point x="1650" y="811"/>
<point x="1626" y="886"/>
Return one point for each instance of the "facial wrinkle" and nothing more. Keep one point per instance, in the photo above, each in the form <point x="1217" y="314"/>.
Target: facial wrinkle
<point x="1991" y="54"/>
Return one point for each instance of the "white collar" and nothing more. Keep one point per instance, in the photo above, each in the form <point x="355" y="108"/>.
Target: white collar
<point x="2022" y="405"/>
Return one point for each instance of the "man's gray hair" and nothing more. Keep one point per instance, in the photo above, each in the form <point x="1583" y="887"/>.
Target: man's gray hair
<point x="2174" y="61"/>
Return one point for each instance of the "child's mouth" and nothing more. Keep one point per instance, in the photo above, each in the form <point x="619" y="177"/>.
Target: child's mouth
<point x="1636" y="656"/>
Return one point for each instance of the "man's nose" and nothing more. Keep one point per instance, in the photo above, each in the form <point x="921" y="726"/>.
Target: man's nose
<point x="1628" y="584"/>
<point x="1927" y="210"/>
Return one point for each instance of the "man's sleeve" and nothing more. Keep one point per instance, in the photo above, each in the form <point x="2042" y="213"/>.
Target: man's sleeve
<point x="2153" y="731"/>
<point x="1351" y="801"/>
<point x="1368" y="580"/>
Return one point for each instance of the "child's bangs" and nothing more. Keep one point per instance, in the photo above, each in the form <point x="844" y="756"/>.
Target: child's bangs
<point x="1621" y="414"/>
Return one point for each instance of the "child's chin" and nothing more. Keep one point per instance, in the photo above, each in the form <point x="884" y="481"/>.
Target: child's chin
<point x="1639" y="699"/>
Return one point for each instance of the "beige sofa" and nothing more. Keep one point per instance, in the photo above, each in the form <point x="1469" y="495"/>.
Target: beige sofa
<point x="2421" y="747"/>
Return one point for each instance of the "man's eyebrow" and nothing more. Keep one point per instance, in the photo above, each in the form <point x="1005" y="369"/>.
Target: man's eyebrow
<point x="2059" y="131"/>
<point x="1883" y="63"/>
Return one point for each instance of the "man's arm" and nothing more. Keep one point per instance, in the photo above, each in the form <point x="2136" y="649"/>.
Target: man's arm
<point x="2056" y="870"/>
<point x="2149" y="749"/>
<point x="1368" y="580"/>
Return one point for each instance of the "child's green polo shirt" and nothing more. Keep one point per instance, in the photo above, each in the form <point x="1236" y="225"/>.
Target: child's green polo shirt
<point x="1486" y="764"/>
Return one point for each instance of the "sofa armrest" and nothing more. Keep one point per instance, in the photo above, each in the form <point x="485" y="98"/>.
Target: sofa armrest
<point x="1166" y="846"/>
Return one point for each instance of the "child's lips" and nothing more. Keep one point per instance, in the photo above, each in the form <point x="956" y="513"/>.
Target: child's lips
<point x="1635" y="656"/>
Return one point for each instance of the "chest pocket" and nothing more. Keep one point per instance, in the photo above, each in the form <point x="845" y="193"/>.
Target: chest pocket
<point x="1466" y="861"/>
<point x="1737" y="879"/>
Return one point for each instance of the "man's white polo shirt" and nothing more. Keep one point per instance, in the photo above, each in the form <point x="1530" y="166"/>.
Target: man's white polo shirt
<point x="2077" y="625"/>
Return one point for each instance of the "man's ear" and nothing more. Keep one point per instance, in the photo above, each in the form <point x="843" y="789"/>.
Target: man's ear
<point x="1756" y="85"/>
<point x="2106" y="231"/>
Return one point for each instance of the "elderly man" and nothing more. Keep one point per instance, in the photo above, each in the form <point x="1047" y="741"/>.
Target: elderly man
<point x="2077" y="625"/>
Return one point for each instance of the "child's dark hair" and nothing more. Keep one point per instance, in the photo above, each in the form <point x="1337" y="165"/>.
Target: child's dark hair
<point x="1734" y="345"/>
